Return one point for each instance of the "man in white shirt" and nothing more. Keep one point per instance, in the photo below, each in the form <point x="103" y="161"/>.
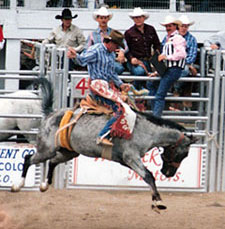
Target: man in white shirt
<point x="67" y="34"/>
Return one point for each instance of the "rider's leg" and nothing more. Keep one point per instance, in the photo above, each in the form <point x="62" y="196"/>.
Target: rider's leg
<point x="104" y="134"/>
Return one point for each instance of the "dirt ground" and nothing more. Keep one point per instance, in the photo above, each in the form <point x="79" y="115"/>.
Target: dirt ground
<point x="71" y="209"/>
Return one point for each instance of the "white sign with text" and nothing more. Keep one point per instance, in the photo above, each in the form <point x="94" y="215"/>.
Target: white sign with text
<point x="97" y="171"/>
<point x="11" y="164"/>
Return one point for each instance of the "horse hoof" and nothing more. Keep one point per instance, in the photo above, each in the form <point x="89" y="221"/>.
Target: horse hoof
<point x="15" y="188"/>
<point x="43" y="187"/>
<point x="158" y="206"/>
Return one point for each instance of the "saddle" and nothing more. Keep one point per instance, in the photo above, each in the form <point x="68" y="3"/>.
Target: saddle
<point x="93" y="107"/>
<point x="88" y="105"/>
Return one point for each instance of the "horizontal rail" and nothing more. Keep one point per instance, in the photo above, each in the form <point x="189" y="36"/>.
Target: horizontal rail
<point x="187" y="118"/>
<point x="173" y="98"/>
<point x="11" y="91"/>
<point x="18" y="77"/>
<point x="84" y="74"/>
<point x="24" y="72"/>
<point x="17" y="97"/>
<point x="38" y="116"/>
<point x="19" y="132"/>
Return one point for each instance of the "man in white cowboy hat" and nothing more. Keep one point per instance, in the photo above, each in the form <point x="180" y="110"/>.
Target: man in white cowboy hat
<point x="185" y="88"/>
<point x="174" y="54"/>
<point x="103" y="16"/>
<point x="100" y="59"/>
<point x="141" y="38"/>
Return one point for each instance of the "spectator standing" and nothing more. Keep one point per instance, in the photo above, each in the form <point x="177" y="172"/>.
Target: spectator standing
<point x="27" y="61"/>
<point x="67" y="34"/>
<point x="174" y="54"/>
<point x="103" y="16"/>
<point x="141" y="39"/>
<point x="185" y="88"/>
<point x="2" y="40"/>
<point x="216" y="41"/>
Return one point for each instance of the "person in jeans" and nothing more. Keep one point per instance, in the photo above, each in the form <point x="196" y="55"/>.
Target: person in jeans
<point x="173" y="54"/>
<point x="141" y="38"/>
<point x="185" y="88"/>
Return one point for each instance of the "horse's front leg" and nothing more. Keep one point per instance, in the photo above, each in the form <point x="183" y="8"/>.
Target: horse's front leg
<point x="157" y="201"/>
<point x="136" y="164"/>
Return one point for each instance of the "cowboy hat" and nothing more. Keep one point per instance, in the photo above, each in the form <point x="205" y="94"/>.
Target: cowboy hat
<point x="185" y="20"/>
<point x="116" y="37"/>
<point x="137" y="12"/>
<point x="66" y="14"/>
<point x="170" y="20"/>
<point x="102" y="12"/>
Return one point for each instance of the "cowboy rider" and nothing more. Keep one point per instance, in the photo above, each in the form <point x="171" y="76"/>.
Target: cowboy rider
<point x="100" y="59"/>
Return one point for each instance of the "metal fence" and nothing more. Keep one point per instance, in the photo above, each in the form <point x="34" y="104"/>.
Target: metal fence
<point x="179" y="5"/>
<point x="6" y="94"/>
<point x="205" y="120"/>
<point x="51" y="64"/>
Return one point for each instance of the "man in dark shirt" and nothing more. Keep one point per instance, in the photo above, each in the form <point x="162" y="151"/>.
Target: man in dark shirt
<point x="141" y="38"/>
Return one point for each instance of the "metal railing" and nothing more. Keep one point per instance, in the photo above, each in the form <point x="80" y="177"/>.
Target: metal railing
<point x="214" y="6"/>
<point x="206" y="120"/>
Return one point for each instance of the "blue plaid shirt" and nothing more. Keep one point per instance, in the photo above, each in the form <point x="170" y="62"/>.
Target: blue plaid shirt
<point x="191" y="48"/>
<point x="100" y="63"/>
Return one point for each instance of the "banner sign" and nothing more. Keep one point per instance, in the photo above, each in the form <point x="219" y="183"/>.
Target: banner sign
<point x="97" y="171"/>
<point x="11" y="164"/>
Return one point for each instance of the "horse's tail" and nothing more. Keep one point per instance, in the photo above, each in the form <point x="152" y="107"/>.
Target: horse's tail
<point x="47" y="95"/>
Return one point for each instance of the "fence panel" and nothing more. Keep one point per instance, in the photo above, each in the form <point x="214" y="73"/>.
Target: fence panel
<point x="196" y="121"/>
<point x="11" y="153"/>
<point x="205" y="164"/>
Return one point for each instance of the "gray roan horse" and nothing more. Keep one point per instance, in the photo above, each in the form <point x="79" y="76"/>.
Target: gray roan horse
<point x="149" y="132"/>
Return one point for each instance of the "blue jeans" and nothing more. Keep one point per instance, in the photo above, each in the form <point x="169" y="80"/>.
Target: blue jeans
<point x="137" y="70"/>
<point x="119" y="68"/>
<point x="179" y="85"/>
<point x="116" y="113"/>
<point x="160" y="92"/>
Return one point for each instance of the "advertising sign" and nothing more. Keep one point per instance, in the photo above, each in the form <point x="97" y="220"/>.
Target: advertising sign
<point x="11" y="164"/>
<point x="97" y="171"/>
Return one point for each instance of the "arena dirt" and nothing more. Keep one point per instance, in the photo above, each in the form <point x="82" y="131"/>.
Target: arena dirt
<point x="87" y="209"/>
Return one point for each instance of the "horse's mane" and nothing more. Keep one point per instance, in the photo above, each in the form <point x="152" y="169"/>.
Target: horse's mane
<point x="162" y="122"/>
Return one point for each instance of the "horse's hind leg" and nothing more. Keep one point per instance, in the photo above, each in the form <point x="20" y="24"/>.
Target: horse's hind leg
<point x="26" y="165"/>
<point x="29" y="160"/>
<point x="136" y="165"/>
<point x="61" y="156"/>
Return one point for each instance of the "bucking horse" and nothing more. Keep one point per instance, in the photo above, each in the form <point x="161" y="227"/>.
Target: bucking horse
<point x="149" y="132"/>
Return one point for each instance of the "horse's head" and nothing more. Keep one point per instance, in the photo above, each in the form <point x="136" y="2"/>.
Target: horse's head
<point x="174" y="154"/>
